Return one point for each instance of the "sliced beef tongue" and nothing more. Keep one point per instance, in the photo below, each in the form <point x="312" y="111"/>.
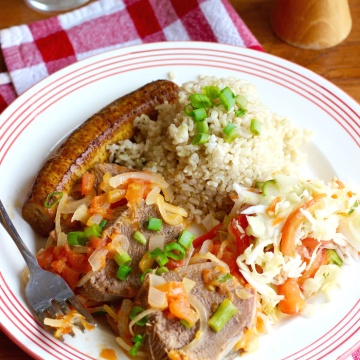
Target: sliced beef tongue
<point x="100" y="169"/>
<point x="104" y="285"/>
<point x="164" y="335"/>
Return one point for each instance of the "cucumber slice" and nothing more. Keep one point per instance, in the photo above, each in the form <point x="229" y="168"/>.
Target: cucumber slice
<point x="270" y="187"/>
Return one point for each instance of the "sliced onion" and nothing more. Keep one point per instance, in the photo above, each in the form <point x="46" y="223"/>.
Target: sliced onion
<point x="97" y="259"/>
<point x="172" y="219"/>
<point x="111" y="312"/>
<point x="243" y="293"/>
<point x="156" y="241"/>
<point x="139" y="317"/>
<point x="157" y="299"/>
<point x="208" y="256"/>
<point x="60" y="207"/>
<point x="200" y="336"/>
<point x="72" y="206"/>
<point x="94" y="219"/>
<point x="128" y="347"/>
<point x="206" y="247"/>
<point x="156" y="280"/>
<point x="79" y="249"/>
<point x="81" y="214"/>
<point x="62" y="239"/>
<point x="223" y="245"/>
<point x="85" y="278"/>
<point x="209" y="222"/>
<point x="123" y="318"/>
<point x="175" y="209"/>
<point x="157" y="179"/>
<point x="152" y="195"/>
<point x="188" y="284"/>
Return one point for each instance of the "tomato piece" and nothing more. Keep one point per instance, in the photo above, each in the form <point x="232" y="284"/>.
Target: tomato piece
<point x="207" y="236"/>
<point x="45" y="257"/>
<point x="242" y="240"/>
<point x="292" y="303"/>
<point x="182" y="310"/>
<point x="320" y="259"/>
<point x="173" y="264"/>
<point x="70" y="276"/>
<point x="294" y="222"/>
<point x="87" y="183"/>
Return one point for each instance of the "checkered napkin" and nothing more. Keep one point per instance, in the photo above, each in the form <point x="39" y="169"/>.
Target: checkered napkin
<point x="34" y="51"/>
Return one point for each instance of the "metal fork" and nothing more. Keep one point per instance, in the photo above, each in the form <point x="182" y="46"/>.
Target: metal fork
<point x="47" y="294"/>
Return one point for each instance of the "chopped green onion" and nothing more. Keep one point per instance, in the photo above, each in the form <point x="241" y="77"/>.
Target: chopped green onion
<point x="123" y="272"/>
<point x="255" y="126"/>
<point x="154" y="224"/>
<point x="229" y="128"/>
<point x="122" y="258"/>
<point x="200" y="138"/>
<point x="212" y="92"/>
<point x="223" y="315"/>
<point x="93" y="230"/>
<point x="52" y="199"/>
<point x="224" y="277"/>
<point x="199" y="114"/>
<point x="185" y="323"/>
<point x="102" y="223"/>
<point x="199" y="101"/>
<point x="188" y="110"/>
<point x="227" y="98"/>
<point x="137" y="338"/>
<point x="241" y="101"/>
<point x="240" y="112"/>
<point x="161" y="270"/>
<point x="135" y="349"/>
<point x="76" y="238"/>
<point x="229" y="138"/>
<point x="202" y="127"/>
<point x="185" y="239"/>
<point x="159" y="257"/>
<point x="179" y="253"/>
<point x="333" y="257"/>
<point x="259" y="184"/>
<point x="142" y="276"/>
<point x="355" y="205"/>
<point x="139" y="237"/>
<point x="136" y="310"/>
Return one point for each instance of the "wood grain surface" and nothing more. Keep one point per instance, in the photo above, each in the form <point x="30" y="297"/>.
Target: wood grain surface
<point x="339" y="64"/>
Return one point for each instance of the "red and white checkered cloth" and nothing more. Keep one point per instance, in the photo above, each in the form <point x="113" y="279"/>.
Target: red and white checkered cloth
<point x="34" y="51"/>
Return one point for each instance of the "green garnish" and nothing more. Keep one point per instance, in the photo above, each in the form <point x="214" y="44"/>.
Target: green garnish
<point x="227" y="98"/>
<point x="76" y="238"/>
<point x="122" y="258"/>
<point x="255" y="126"/>
<point x="241" y="101"/>
<point x="52" y="199"/>
<point x="159" y="256"/>
<point x="200" y="138"/>
<point x="123" y="272"/>
<point x="202" y="127"/>
<point x="199" y="114"/>
<point x="139" y="237"/>
<point x="174" y="251"/>
<point x="224" y="278"/>
<point x="136" y="310"/>
<point x="93" y="230"/>
<point x="161" y="270"/>
<point x="212" y="92"/>
<point x="185" y="239"/>
<point x="333" y="257"/>
<point x="199" y="101"/>
<point x="240" y="112"/>
<point x="154" y="224"/>
<point x="223" y="315"/>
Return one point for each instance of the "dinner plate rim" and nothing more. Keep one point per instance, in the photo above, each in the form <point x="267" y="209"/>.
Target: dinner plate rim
<point x="139" y="48"/>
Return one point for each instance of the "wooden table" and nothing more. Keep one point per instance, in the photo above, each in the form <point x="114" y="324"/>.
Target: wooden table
<point x="339" y="65"/>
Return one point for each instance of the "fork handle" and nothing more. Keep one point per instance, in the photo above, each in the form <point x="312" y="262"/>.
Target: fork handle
<point x="10" y="228"/>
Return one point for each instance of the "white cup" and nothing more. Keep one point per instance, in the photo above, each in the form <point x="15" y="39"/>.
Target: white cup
<point x="55" y="5"/>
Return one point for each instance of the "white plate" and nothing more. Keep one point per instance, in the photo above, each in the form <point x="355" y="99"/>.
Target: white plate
<point x="45" y="114"/>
